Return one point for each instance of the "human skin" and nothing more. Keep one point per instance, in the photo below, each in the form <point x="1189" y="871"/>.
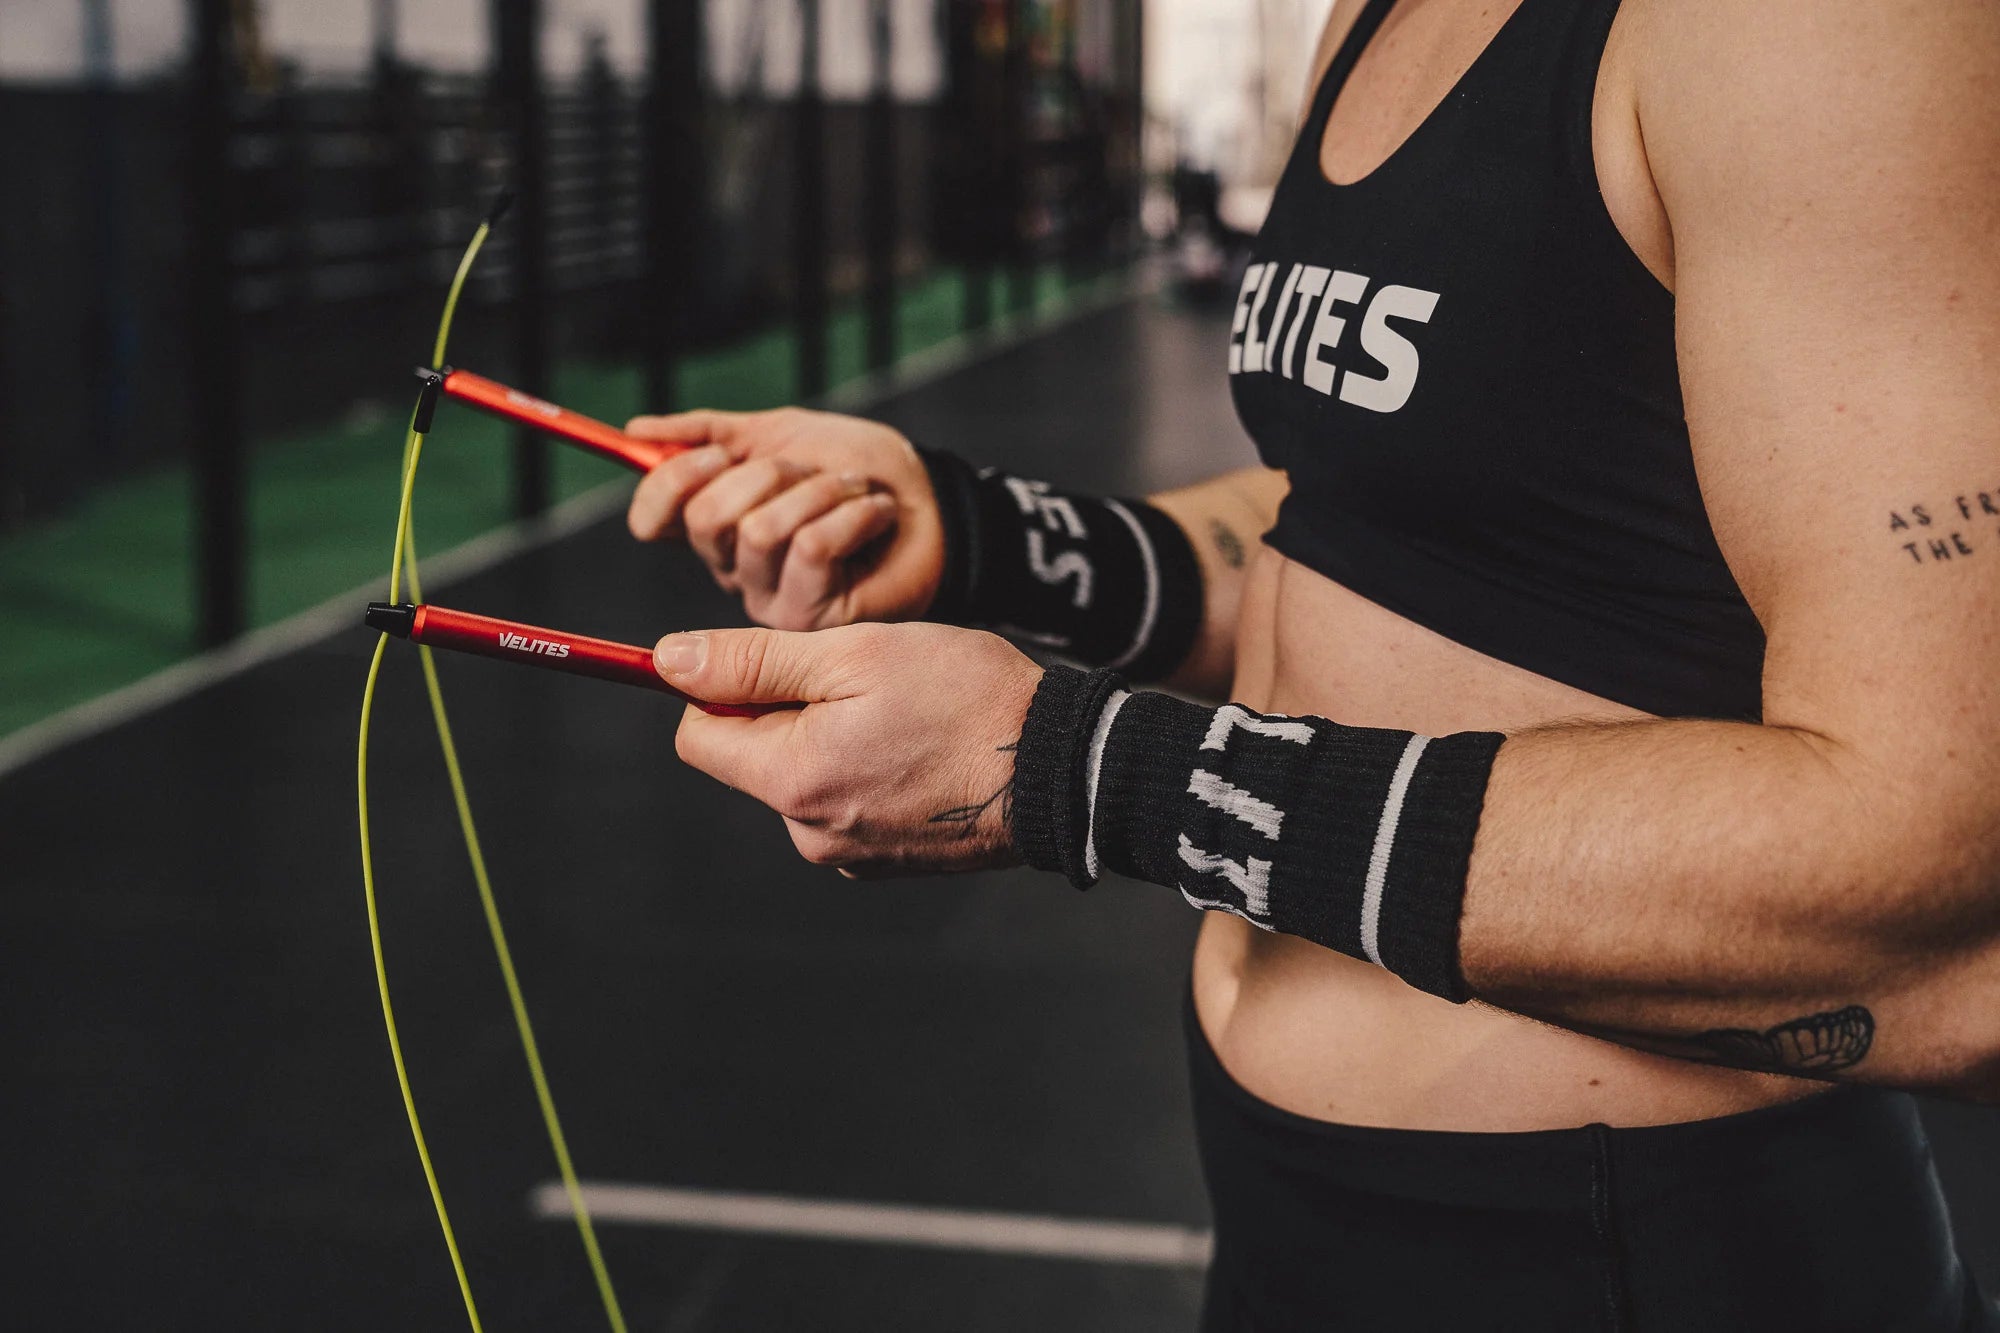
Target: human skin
<point x="1638" y="884"/>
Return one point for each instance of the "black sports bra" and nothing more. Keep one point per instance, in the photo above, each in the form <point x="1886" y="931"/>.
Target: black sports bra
<point x="1471" y="381"/>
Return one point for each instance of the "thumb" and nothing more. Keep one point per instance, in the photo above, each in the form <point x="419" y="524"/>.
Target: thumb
<point x="740" y="666"/>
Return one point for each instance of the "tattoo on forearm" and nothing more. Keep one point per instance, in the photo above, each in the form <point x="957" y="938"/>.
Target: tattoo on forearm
<point x="1819" y="1045"/>
<point x="1923" y="535"/>
<point x="1823" y="1043"/>
<point x="1227" y="542"/>
<point x="965" y="819"/>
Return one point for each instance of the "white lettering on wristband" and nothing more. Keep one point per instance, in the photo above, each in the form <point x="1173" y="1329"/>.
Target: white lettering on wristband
<point x="1070" y="564"/>
<point x="1149" y="609"/>
<point x="1094" y="764"/>
<point x="1233" y="717"/>
<point x="1385" y="844"/>
<point x="1055" y="511"/>
<point x="1232" y="800"/>
<point x="1251" y="878"/>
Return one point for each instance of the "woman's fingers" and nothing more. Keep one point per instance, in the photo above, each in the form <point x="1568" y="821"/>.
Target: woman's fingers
<point x="712" y="513"/>
<point x="703" y="426"/>
<point x="765" y="533"/>
<point x="816" y="568"/>
<point x="663" y="493"/>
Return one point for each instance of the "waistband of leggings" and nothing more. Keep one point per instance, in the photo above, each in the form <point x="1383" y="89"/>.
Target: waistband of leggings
<point x="1848" y="1117"/>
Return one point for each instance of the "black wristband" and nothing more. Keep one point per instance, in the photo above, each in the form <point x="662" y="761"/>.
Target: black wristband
<point x="1355" y="838"/>
<point x="1051" y="772"/>
<point x="1104" y="581"/>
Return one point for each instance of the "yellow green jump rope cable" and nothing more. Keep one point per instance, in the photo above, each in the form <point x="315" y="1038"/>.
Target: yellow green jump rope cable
<point x="403" y="555"/>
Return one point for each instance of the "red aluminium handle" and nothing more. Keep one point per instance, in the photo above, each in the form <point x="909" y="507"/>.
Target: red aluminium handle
<point x="558" y="650"/>
<point x="588" y="432"/>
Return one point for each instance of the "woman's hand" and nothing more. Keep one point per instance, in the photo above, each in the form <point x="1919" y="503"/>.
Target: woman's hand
<point x="816" y="519"/>
<point x="902" y="759"/>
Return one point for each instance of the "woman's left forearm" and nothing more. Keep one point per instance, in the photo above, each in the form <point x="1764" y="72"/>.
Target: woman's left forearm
<point x="1757" y="896"/>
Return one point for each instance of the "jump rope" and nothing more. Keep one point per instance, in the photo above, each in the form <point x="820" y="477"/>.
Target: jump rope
<point x="429" y="626"/>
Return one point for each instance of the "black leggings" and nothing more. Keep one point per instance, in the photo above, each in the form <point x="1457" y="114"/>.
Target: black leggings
<point x="1819" y="1215"/>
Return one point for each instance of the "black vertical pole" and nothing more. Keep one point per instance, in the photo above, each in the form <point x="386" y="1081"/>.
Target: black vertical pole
<point x="13" y="499"/>
<point x="1017" y="187"/>
<point x="215" y="376"/>
<point x="809" y="210"/>
<point x="601" y="115"/>
<point x="672" y="195"/>
<point x="517" y="32"/>
<point x="1126" y="234"/>
<point x="966" y="174"/>
<point x="403" y="184"/>
<point x="1085" y="206"/>
<point x="107" y="314"/>
<point x="383" y="20"/>
<point x="290" y="188"/>
<point x="881" y="202"/>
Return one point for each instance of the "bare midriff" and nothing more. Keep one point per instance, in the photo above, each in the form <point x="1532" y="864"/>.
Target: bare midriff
<point x="1327" y="1036"/>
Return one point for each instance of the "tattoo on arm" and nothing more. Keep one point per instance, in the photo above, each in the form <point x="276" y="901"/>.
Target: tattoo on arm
<point x="965" y="819"/>
<point x="1823" y="1043"/>
<point x="1935" y="534"/>
<point x="1226" y="542"/>
<point x="1819" y="1045"/>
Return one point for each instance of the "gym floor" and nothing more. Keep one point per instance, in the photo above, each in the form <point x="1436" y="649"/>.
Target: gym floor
<point x="206" y="1127"/>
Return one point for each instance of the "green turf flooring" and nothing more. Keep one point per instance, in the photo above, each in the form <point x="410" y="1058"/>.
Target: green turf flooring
<point x="104" y="595"/>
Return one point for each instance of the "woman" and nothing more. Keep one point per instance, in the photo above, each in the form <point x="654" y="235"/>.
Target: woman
<point x="1579" y="366"/>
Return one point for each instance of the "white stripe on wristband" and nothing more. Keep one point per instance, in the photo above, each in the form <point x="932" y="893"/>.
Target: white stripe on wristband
<point x="1098" y="736"/>
<point x="1150" y="609"/>
<point x="1385" y="843"/>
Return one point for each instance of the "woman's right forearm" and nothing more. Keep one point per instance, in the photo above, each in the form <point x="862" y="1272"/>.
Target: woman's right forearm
<point x="1225" y="518"/>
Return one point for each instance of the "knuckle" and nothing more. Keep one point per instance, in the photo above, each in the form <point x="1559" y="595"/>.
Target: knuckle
<point x="678" y="472"/>
<point x="752" y="658"/>
<point x="701" y="520"/>
<point x="813" y="546"/>
<point x="814" y="846"/>
<point x="871" y="640"/>
<point x="759" y="531"/>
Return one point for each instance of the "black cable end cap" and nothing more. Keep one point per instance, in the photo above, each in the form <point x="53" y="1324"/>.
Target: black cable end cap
<point x="501" y="203"/>
<point x="427" y="399"/>
<point x="393" y="618"/>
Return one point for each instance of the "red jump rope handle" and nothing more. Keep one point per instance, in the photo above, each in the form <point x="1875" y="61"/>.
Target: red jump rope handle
<point x="550" y="649"/>
<point x="587" y="432"/>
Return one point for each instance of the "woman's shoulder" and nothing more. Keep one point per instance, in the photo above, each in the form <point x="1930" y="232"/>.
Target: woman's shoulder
<point x="1339" y="23"/>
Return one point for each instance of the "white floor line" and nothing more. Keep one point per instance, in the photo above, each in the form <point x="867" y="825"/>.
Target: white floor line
<point x="1095" y="1240"/>
<point x="340" y="613"/>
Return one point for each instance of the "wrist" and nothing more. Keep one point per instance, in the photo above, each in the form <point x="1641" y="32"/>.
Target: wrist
<point x="1053" y="791"/>
<point x="1103" y="581"/>
<point x="1356" y="838"/>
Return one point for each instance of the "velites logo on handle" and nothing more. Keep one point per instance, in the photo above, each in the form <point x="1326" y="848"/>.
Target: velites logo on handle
<point x="1297" y="326"/>
<point x="541" y="647"/>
